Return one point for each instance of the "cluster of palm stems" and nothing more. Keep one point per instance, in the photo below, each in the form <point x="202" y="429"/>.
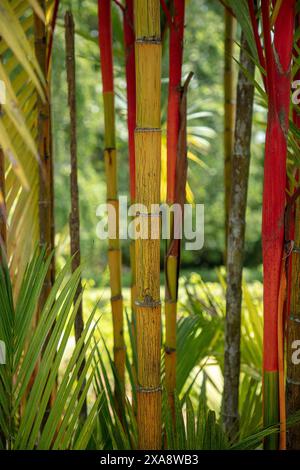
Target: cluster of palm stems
<point x="269" y="40"/>
<point x="270" y="30"/>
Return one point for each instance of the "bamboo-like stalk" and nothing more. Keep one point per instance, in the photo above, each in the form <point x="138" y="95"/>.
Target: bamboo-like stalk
<point x="74" y="215"/>
<point x="110" y="158"/>
<point x="148" y="156"/>
<point x="277" y="60"/>
<point x="172" y="260"/>
<point x="229" y="111"/>
<point x="236" y="238"/>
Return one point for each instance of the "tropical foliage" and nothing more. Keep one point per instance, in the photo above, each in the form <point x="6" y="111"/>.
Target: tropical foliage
<point x="210" y="367"/>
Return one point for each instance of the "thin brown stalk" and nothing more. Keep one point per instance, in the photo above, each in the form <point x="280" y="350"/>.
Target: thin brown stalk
<point x="43" y="143"/>
<point x="74" y="220"/>
<point x="44" y="149"/>
<point x="229" y="111"/>
<point x="236" y="238"/>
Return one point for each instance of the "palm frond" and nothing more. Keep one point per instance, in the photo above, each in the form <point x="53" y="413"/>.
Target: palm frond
<point x="42" y="350"/>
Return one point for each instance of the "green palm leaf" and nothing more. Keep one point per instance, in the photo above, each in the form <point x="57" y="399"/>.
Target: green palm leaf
<point x="24" y="421"/>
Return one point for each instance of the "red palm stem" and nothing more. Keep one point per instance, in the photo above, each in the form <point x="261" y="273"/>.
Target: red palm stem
<point x="275" y="167"/>
<point x="257" y="38"/>
<point x="129" y="39"/>
<point x="175" y="66"/>
<point x="105" y="44"/>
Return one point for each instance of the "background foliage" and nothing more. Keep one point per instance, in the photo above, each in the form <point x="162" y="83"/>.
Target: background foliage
<point x="204" y="56"/>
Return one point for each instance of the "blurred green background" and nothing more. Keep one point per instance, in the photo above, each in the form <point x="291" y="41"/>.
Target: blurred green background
<point x="204" y="48"/>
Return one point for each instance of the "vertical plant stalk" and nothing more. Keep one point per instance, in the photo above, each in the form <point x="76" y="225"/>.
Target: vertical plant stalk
<point x="110" y="158"/>
<point x="129" y="41"/>
<point x="49" y="58"/>
<point x="148" y="165"/>
<point x="229" y="112"/>
<point x="3" y="229"/>
<point x="51" y="34"/>
<point x="176" y="24"/>
<point x="74" y="220"/>
<point x="44" y="147"/>
<point x="277" y="62"/>
<point x="236" y="238"/>
<point x="176" y="119"/>
<point x="174" y="252"/>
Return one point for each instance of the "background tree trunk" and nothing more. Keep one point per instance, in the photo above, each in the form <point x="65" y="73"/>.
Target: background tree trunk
<point x="236" y="238"/>
<point x="74" y="215"/>
<point x="44" y="147"/>
<point x="229" y="112"/>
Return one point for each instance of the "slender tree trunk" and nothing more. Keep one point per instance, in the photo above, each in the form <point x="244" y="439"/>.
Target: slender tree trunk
<point x="45" y="164"/>
<point x="148" y="156"/>
<point x="46" y="185"/>
<point x="236" y="237"/>
<point x="110" y="158"/>
<point x="172" y="260"/>
<point x="52" y="189"/>
<point x="44" y="146"/>
<point x="74" y="215"/>
<point x="229" y="111"/>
